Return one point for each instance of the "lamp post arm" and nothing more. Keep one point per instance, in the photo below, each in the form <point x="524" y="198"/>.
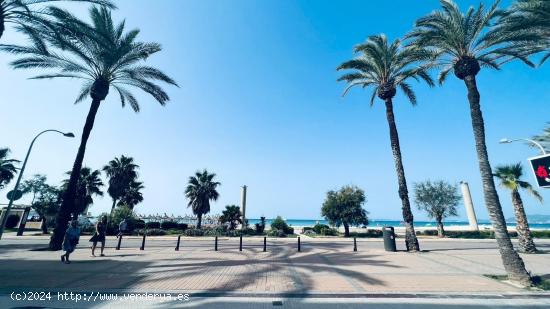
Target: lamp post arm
<point x="542" y="150"/>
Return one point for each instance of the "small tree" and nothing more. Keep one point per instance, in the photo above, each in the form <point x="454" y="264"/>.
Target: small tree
<point x="45" y="198"/>
<point x="232" y="215"/>
<point x="439" y="199"/>
<point x="345" y="207"/>
<point x="123" y="213"/>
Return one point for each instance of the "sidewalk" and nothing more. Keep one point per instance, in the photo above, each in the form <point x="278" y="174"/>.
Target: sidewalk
<point x="323" y="267"/>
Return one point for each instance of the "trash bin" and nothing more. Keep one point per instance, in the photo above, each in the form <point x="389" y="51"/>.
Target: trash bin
<point x="389" y="238"/>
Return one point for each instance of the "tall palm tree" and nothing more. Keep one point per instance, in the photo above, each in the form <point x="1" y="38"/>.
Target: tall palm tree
<point x="463" y="44"/>
<point x="7" y="167"/>
<point x="132" y="195"/>
<point x="103" y="56"/>
<point x="121" y="173"/>
<point x="510" y="178"/>
<point x="89" y="184"/>
<point x="23" y="12"/>
<point x="200" y="190"/>
<point x="386" y="67"/>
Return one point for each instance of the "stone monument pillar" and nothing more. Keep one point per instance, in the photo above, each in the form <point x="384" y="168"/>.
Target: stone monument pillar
<point x="469" y="206"/>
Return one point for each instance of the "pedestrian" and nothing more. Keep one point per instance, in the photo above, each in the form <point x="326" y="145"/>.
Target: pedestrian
<point x="122" y="227"/>
<point x="99" y="235"/>
<point x="72" y="235"/>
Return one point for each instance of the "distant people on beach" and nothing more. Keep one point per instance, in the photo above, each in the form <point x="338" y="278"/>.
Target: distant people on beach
<point x="72" y="236"/>
<point x="99" y="235"/>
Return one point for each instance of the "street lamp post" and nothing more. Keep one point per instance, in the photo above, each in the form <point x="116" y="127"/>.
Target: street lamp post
<point x="12" y="196"/>
<point x="508" y="141"/>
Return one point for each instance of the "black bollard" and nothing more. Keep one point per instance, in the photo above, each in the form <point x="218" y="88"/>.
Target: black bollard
<point x="241" y="243"/>
<point x="216" y="244"/>
<point x="354" y="244"/>
<point x="119" y="241"/>
<point x="299" y="245"/>
<point x="143" y="243"/>
<point x="178" y="244"/>
<point x="265" y="243"/>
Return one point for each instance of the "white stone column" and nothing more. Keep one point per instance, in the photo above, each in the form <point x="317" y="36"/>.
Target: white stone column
<point x="469" y="205"/>
<point x="243" y="205"/>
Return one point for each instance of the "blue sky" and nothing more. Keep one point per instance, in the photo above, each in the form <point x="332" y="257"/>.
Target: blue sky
<point x="259" y="105"/>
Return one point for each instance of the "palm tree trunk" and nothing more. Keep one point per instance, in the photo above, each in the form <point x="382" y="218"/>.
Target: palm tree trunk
<point x="199" y="220"/>
<point x="113" y="207"/>
<point x="68" y="204"/>
<point x="410" y="237"/>
<point x="526" y="243"/>
<point x="2" y="22"/>
<point x="513" y="264"/>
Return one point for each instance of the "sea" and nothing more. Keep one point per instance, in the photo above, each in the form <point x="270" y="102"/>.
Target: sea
<point x="396" y="223"/>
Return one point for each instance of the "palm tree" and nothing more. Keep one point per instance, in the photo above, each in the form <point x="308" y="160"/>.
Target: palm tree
<point x="100" y="54"/>
<point x="89" y="184"/>
<point x="200" y="190"/>
<point x="510" y="178"/>
<point x="23" y="12"/>
<point x="232" y="215"/>
<point x="132" y="195"/>
<point x="532" y="16"/>
<point x="7" y="167"/>
<point x="121" y="172"/>
<point x="387" y="67"/>
<point x="464" y="43"/>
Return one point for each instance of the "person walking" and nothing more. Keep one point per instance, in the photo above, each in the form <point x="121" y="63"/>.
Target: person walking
<point x="122" y="227"/>
<point x="99" y="235"/>
<point x="72" y="236"/>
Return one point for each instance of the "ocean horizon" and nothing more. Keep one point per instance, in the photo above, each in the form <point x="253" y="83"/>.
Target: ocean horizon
<point x="395" y="223"/>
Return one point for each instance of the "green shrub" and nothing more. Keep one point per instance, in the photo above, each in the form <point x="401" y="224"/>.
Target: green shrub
<point x="280" y="224"/>
<point x="193" y="232"/>
<point x="152" y="232"/>
<point x="260" y="227"/>
<point x="276" y="233"/>
<point x="371" y="233"/>
<point x="166" y="225"/>
<point x="540" y="234"/>
<point x="12" y="221"/>
<point x="139" y="224"/>
<point x="182" y="226"/>
<point x="465" y="234"/>
<point x="318" y="227"/>
<point x="153" y="225"/>
<point x="328" y="231"/>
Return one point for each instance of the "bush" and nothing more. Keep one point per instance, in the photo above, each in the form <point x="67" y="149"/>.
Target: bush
<point x="139" y="224"/>
<point x="182" y="226"/>
<point x="193" y="232"/>
<point x="465" y="234"/>
<point x="12" y="221"/>
<point x="153" y="232"/>
<point x="329" y="232"/>
<point x="318" y="227"/>
<point x="153" y="225"/>
<point x="276" y="233"/>
<point x="260" y="227"/>
<point x="166" y="225"/>
<point x="280" y="224"/>
<point x="540" y="234"/>
<point x="370" y="233"/>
